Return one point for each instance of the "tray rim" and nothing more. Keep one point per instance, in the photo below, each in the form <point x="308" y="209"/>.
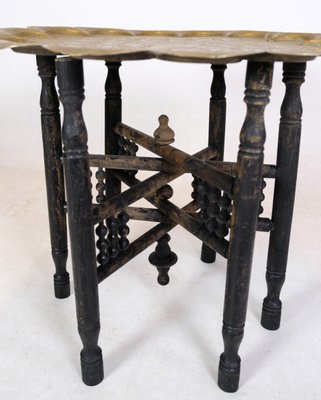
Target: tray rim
<point x="32" y="40"/>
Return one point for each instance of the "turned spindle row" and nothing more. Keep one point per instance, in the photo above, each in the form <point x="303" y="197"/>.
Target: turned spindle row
<point x="128" y="148"/>
<point x="112" y="233"/>
<point x="215" y="208"/>
<point x="261" y="209"/>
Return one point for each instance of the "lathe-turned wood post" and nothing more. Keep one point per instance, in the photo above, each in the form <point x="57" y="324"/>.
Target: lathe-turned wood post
<point x="80" y="217"/>
<point x="52" y="149"/>
<point x="113" y="112"/>
<point x="284" y="192"/>
<point x="216" y="135"/>
<point x="246" y="201"/>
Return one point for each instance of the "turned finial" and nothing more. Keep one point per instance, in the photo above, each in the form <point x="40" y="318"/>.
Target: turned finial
<point x="164" y="134"/>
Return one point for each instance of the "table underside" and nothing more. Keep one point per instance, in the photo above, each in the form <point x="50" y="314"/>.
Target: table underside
<point x="184" y="46"/>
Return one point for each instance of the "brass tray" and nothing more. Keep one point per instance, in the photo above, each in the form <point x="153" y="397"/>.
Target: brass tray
<point x="184" y="46"/>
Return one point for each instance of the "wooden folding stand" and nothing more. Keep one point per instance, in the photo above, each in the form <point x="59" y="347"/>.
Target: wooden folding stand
<point x="226" y="206"/>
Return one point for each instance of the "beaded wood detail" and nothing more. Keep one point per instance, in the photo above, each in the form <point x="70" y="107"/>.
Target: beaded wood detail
<point x="215" y="209"/>
<point x="129" y="148"/>
<point x="223" y="216"/>
<point x="199" y="194"/>
<point x="112" y="233"/>
<point x="261" y="209"/>
<point x="101" y="230"/>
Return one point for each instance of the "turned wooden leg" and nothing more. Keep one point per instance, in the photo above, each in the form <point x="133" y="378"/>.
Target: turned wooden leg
<point x="216" y="138"/>
<point x="113" y="115"/>
<point x="246" y="198"/>
<point x="52" y="148"/>
<point x="80" y="218"/>
<point x="284" y="192"/>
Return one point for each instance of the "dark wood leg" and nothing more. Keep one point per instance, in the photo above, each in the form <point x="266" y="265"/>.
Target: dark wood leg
<point x="113" y="115"/>
<point x="246" y="197"/>
<point x="216" y="138"/>
<point x="52" y="147"/>
<point x="284" y="192"/>
<point x="80" y="217"/>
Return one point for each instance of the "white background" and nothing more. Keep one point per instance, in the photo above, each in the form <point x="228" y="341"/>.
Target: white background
<point x="157" y="342"/>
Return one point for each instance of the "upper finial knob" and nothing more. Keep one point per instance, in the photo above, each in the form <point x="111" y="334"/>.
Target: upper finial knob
<point x="164" y="134"/>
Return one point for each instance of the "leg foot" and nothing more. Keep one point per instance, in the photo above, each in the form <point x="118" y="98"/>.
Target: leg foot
<point x="271" y="314"/>
<point x="229" y="374"/>
<point x="62" y="286"/>
<point x="92" y="368"/>
<point x="208" y="255"/>
<point x="61" y="277"/>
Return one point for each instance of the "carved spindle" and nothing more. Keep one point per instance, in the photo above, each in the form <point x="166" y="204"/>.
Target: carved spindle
<point x="113" y="144"/>
<point x="163" y="258"/>
<point x="129" y="148"/>
<point x="52" y="148"/>
<point x="284" y="192"/>
<point x="123" y="230"/>
<point x="217" y="113"/>
<point x="261" y="209"/>
<point x="164" y="134"/>
<point x="195" y="185"/>
<point x="208" y="255"/>
<point x="121" y="146"/>
<point x="212" y="208"/>
<point x="112" y="224"/>
<point x="132" y="149"/>
<point x="100" y="186"/>
<point x="223" y="217"/>
<point x="113" y="114"/>
<point x="199" y="195"/>
<point x="216" y="131"/>
<point x="202" y="201"/>
<point x="80" y="217"/>
<point x="102" y="244"/>
<point x="101" y="230"/>
<point x="246" y="200"/>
